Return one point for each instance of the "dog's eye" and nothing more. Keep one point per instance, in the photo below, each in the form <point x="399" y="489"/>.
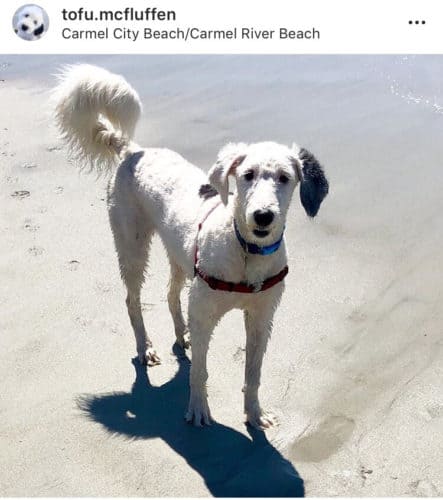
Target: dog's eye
<point x="249" y="175"/>
<point x="26" y="15"/>
<point x="283" y="179"/>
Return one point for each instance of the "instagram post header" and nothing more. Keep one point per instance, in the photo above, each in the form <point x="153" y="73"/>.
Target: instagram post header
<point x="197" y="26"/>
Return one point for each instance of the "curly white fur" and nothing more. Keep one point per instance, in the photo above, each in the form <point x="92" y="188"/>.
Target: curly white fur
<point x="96" y="113"/>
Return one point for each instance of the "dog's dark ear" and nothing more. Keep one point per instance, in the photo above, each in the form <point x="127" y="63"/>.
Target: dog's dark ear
<point x="229" y="158"/>
<point x="39" y="30"/>
<point x="313" y="183"/>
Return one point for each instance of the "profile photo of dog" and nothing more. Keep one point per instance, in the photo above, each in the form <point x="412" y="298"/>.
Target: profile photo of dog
<point x="30" y="22"/>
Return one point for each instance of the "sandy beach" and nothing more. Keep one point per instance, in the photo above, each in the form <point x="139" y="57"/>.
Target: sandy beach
<point x="354" y="367"/>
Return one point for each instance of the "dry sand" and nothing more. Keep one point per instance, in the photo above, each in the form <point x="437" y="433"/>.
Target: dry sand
<point x="354" y="367"/>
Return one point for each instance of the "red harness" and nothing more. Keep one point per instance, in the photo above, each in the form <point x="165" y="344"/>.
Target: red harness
<point x="229" y="286"/>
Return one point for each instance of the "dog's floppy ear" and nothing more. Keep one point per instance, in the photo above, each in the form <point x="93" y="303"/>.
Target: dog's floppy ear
<point x="229" y="158"/>
<point x="313" y="183"/>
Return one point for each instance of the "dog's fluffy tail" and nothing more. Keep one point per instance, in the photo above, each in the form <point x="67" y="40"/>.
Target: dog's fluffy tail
<point x="96" y="112"/>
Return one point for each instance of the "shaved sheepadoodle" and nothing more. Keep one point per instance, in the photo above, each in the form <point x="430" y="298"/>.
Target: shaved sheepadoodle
<point x="231" y="246"/>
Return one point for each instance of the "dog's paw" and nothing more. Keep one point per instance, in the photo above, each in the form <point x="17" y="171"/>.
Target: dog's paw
<point x="198" y="413"/>
<point x="184" y="341"/>
<point x="261" y="419"/>
<point x="150" y="358"/>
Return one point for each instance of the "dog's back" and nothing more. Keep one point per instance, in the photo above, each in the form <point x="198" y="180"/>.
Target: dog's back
<point x="96" y="112"/>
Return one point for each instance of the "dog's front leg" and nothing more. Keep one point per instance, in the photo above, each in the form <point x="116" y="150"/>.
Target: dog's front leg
<point x="201" y="321"/>
<point x="258" y="324"/>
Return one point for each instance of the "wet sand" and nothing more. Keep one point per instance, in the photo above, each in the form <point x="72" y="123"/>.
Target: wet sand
<point x="354" y="366"/>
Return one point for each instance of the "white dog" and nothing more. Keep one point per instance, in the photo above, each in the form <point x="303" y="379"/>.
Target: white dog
<point x="29" y="23"/>
<point x="230" y="246"/>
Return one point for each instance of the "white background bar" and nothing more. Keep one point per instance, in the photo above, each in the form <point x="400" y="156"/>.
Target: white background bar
<point x="344" y="27"/>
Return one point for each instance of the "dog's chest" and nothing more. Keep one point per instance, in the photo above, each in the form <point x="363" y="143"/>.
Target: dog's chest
<point x="221" y="256"/>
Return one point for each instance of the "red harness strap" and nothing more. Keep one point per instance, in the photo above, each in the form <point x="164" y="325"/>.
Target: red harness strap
<point x="229" y="286"/>
<point x="198" y="232"/>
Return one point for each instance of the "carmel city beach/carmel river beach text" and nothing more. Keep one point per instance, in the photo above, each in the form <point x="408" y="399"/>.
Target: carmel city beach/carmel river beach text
<point x="191" y="33"/>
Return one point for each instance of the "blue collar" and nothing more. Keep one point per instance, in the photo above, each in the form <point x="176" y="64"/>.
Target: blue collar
<point x="255" y="249"/>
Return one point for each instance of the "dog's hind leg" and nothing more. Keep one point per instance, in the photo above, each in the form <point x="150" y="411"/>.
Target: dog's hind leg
<point x="133" y="237"/>
<point x="176" y="283"/>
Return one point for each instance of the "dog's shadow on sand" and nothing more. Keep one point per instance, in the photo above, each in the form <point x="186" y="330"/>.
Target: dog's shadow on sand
<point x="230" y="463"/>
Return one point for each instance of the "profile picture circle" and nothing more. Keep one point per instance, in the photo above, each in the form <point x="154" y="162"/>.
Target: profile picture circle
<point x="30" y="22"/>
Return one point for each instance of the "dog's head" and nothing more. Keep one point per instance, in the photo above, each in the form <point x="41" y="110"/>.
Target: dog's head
<point x="29" y="23"/>
<point x="266" y="174"/>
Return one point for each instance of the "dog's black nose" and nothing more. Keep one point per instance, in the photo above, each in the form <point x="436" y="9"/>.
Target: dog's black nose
<point x="24" y="27"/>
<point x="263" y="217"/>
